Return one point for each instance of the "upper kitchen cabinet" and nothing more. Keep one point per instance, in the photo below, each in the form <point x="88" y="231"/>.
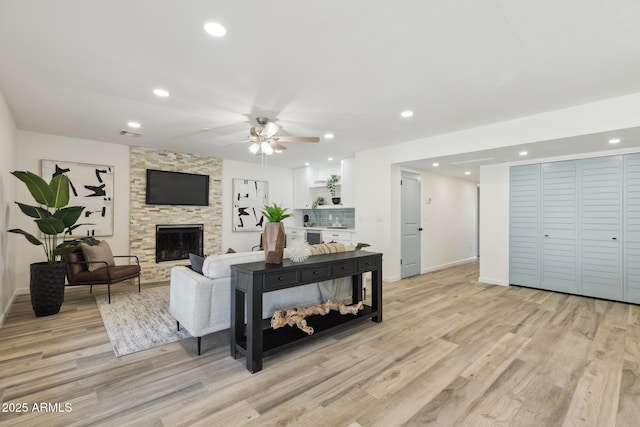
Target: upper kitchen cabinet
<point x="310" y="182"/>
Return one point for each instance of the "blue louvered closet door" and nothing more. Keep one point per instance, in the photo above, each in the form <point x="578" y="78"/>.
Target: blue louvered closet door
<point x="632" y="228"/>
<point x="559" y="270"/>
<point x="600" y="233"/>
<point x="524" y="225"/>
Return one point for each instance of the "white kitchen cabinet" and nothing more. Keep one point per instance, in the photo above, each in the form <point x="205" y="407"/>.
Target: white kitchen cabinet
<point x="302" y="179"/>
<point x="339" y="236"/>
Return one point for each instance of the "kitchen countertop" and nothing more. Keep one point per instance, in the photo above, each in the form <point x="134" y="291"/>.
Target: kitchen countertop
<point x="323" y="228"/>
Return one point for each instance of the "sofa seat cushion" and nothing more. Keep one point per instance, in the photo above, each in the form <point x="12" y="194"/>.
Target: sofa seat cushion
<point x="118" y="272"/>
<point x="219" y="266"/>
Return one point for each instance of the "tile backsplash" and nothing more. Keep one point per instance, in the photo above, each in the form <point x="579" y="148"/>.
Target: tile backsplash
<point x="328" y="217"/>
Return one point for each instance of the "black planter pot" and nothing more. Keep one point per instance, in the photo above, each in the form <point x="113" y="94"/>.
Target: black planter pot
<point x="335" y="200"/>
<point x="47" y="287"/>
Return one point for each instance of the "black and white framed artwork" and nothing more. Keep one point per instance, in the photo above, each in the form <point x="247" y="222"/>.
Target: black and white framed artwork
<point x="249" y="198"/>
<point x="91" y="186"/>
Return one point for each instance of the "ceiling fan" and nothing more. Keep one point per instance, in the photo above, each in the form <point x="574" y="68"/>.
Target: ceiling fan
<point x="265" y="139"/>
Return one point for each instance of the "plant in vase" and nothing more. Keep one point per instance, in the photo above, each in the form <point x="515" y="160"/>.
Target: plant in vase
<point x="47" y="278"/>
<point x="319" y="201"/>
<point x="332" y="184"/>
<point x="273" y="236"/>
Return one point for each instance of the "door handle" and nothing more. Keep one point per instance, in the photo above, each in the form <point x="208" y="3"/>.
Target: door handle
<point x="614" y="238"/>
<point x="420" y="229"/>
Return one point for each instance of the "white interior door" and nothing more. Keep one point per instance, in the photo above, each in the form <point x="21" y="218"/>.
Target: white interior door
<point x="411" y="224"/>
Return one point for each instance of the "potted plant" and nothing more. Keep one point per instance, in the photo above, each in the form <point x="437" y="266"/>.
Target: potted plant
<point x="47" y="278"/>
<point x="332" y="183"/>
<point x="273" y="236"/>
<point x="319" y="201"/>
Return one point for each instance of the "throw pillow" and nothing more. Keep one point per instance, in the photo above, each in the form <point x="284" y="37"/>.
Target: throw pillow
<point x="196" y="262"/>
<point x="99" y="252"/>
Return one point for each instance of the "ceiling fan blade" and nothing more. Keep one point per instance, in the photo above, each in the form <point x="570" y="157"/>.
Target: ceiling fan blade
<point x="298" y="139"/>
<point x="270" y="129"/>
<point x="276" y="145"/>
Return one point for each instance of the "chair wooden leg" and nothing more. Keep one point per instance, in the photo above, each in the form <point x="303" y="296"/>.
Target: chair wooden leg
<point x="90" y="289"/>
<point x="199" y="344"/>
<point x="138" y="283"/>
<point x="109" y="292"/>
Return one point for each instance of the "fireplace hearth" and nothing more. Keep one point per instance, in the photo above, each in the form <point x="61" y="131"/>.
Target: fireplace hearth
<point x="175" y="242"/>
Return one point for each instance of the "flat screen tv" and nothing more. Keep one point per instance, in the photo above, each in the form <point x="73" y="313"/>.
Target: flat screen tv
<point x="177" y="188"/>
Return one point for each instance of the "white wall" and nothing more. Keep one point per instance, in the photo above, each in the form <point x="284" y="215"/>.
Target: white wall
<point x="33" y="147"/>
<point x="449" y="221"/>
<point x="280" y="191"/>
<point x="494" y="224"/>
<point x="7" y="185"/>
<point x="376" y="218"/>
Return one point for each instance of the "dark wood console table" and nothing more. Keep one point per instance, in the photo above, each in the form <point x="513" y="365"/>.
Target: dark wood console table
<point x="249" y="281"/>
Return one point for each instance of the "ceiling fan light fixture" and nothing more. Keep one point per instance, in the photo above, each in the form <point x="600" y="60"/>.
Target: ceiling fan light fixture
<point x="328" y="135"/>
<point x="266" y="148"/>
<point x="254" y="148"/>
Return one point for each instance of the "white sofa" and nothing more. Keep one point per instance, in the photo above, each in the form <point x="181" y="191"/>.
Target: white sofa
<point x="201" y="302"/>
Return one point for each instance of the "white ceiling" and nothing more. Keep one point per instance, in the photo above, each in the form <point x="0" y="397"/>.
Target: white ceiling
<point x="84" y="68"/>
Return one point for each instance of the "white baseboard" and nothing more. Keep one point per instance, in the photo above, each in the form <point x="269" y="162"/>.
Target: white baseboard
<point x="449" y="264"/>
<point x="390" y="279"/>
<point x="4" y="314"/>
<point x="493" y="281"/>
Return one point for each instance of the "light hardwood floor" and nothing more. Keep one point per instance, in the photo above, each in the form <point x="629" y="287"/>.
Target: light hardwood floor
<point x="451" y="351"/>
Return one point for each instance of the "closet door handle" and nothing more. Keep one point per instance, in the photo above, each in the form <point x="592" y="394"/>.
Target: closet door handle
<point x="614" y="238"/>
<point x="546" y="235"/>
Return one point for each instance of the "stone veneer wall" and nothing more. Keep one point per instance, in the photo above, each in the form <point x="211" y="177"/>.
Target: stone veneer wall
<point x="144" y="218"/>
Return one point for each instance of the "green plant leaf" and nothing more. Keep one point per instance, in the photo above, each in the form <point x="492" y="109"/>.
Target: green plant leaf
<point x="275" y="213"/>
<point x="60" y="187"/>
<point x="29" y="236"/>
<point x="50" y="225"/>
<point x="69" y="215"/>
<point x="38" y="187"/>
<point x="33" y="211"/>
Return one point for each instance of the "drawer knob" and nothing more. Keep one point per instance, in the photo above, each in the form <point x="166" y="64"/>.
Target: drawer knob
<point x="281" y="278"/>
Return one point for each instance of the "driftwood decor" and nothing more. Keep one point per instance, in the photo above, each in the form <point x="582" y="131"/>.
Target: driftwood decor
<point x="296" y="315"/>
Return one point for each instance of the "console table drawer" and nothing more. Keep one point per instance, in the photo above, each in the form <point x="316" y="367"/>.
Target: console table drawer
<point x="366" y="265"/>
<point x="278" y="279"/>
<point x="344" y="267"/>
<point x="319" y="273"/>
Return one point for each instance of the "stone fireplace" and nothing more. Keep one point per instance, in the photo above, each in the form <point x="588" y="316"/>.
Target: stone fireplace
<point x="145" y="218"/>
<point x="174" y="242"/>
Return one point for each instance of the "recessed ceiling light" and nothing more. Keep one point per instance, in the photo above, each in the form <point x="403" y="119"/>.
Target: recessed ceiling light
<point x="406" y="113"/>
<point x="307" y="163"/>
<point x="435" y="165"/>
<point x="330" y="159"/>
<point x="134" y="125"/>
<point x="328" y="135"/>
<point x="163" y="93"/>
<point x="614" y="141"/>
<point x="467" y="173"/>
<point x="215" y="29"/>
<point x="524" y="153"/>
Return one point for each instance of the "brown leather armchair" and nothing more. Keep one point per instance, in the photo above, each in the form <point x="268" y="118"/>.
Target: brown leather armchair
<point x="78" y="272"/>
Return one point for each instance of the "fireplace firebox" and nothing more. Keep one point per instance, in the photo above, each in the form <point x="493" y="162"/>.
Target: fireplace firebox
<point x="175" y="242"/>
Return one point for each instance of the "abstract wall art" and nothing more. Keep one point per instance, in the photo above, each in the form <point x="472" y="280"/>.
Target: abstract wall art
<point x="91" y="186"/>
<point x="249" y="197"/>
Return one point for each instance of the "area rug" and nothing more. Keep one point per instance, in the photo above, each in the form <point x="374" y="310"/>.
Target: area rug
<point x="137" y="321"/>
